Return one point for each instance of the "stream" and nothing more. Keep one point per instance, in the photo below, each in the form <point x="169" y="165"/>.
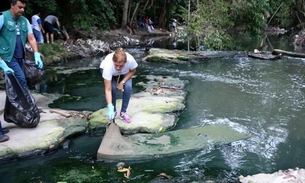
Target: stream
<point x="262" y="97"/>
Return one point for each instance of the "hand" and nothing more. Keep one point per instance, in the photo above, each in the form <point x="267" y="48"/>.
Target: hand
<point x="110" y="111"/>
<point x="38" y="60"/>
<point x="120" y="86"/>
<point x="5" y="68"/>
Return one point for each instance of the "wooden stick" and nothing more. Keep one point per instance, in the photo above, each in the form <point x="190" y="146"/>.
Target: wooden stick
<point x="67" y="115"/>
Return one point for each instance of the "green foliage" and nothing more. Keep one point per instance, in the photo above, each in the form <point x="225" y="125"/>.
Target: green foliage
<point x="76" y="14"/>
<point x="52" y="51"/>
<point x="251" y="15"/>
<point x="101" y="14"/>
<point x="209" y="20"/>
<point x="286" y="16"/>
<point x="208" y="23"/>
<point x="45" y="8"/>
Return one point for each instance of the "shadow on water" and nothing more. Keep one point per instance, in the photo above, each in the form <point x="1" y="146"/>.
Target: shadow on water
<point x="264" y="98"/>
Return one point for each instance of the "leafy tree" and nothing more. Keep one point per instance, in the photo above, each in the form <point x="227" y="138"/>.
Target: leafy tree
<point x="250" y="15"/>
<point x="208" y="22"/>
<point x="76" y="14"/>
<point x="89" y="13"/>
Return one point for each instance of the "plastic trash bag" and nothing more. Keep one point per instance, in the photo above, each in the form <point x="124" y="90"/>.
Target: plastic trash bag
<point x="32" y="73"/>
<point x="20" y="106"/>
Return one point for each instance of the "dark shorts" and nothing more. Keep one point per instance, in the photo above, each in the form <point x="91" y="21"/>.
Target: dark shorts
<point x="48" y="28"/>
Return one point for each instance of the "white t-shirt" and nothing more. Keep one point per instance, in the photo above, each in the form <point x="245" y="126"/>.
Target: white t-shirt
<point x="35" y="24"/>
<point x="108" y="66"/>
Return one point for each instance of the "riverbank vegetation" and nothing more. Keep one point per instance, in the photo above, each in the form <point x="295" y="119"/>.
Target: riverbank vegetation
<point x="210" y="22"/>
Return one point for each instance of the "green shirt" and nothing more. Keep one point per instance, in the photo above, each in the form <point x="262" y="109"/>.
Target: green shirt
<point x="8" y="34"/>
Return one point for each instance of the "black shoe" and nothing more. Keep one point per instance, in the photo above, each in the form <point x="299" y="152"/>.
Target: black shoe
<point x="4" y="138"/>
<point x="5" y="130"/>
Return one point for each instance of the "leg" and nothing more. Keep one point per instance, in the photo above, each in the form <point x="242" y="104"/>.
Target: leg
<point x="3" y="137"/>
<point x="42" y="39"/>
<point x="49" y="30"/>
<point x="125" y="101"/>
<point x="52" y="37"/>
<point x="16" y="65"/>
<point x="47" y="37"/>
<point x="126" y="95"/>
<point x="1" y="129"/>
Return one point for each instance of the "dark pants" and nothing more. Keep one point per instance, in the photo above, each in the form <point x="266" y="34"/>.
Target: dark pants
<point x="49" y="28"/>
<point x="1" y="130"/>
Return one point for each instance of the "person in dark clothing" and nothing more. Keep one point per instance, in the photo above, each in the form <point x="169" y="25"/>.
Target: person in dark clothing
<point x="3" y="131"/>
<point x="49" y="22"/>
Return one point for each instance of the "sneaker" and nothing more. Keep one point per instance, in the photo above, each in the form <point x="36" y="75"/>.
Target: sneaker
<point x="125" y="118"/>
<point x="4" y="138"/>
<point x="5" y="130"/>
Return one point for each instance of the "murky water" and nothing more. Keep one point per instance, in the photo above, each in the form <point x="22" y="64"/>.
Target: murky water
<point x="264" y="98"/>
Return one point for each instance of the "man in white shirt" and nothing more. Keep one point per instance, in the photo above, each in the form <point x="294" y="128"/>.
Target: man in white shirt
<point x="37" y="27"/>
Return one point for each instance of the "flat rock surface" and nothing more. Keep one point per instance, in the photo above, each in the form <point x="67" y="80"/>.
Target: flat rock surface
<point x="51" y="131"/>
<point x="155" y="107"/>
<point x="149" y="146"/>
<point x="158" y="106"/>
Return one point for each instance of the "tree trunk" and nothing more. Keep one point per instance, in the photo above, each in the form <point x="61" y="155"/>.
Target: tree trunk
<point x="125" y="13"/>
<point x="134" y="13"/>
<point x="145" y="8"/>
<point x="162" y="15"/>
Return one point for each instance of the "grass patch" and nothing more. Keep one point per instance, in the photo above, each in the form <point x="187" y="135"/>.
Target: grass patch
<point x="52" y="52"/>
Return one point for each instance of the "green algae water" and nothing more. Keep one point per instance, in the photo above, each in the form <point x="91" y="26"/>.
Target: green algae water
<point x="261" y="97"/>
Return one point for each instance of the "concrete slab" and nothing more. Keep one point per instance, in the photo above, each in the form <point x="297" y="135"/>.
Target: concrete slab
<point x="114" y="146"/>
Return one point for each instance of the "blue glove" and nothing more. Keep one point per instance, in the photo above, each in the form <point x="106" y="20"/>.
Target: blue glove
<point x="110" y="111"/>
<point x="5" y="68"/>
<point x="38" y="60"/>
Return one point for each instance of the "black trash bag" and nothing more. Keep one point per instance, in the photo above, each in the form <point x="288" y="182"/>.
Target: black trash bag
<point x="20" y="106"/>
<point x="33" y="74"/>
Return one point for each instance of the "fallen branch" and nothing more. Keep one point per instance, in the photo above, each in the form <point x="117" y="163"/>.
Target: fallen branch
<point x="289" y="53"/>
<point x="67" y="115"/>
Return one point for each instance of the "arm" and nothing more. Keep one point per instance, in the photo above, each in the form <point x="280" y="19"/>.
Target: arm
<point x="108" y="97"/>
<point x="108" y="94"/>
<point x="40" y="25"/>
<point x="31" y="38"/>
<point x="32" y="42"/>
<point x="3" y="65"/>
<point x="126" y="78"/>
<point x="1" y="21"/>
<point x="34" y="45"/>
